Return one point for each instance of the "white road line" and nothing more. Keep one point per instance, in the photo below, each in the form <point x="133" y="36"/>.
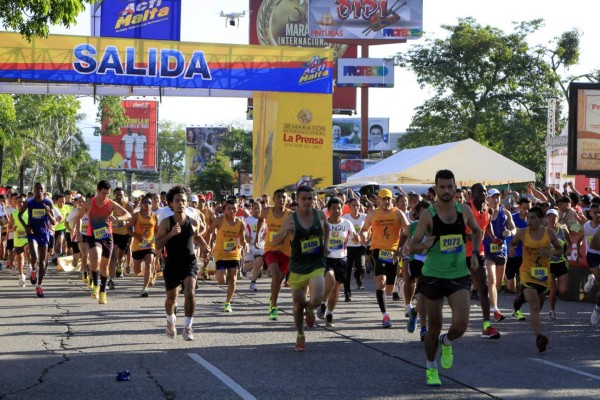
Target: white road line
<point x="243" y="393"/>
<point x="575" y="371"/>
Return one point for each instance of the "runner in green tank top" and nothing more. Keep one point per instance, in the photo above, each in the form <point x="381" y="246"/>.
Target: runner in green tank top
<point x="305" y="227"/>
<point x="445" y="273"/>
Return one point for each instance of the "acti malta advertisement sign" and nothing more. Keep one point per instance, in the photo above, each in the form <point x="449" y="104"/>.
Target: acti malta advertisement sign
<point x="135" y="148"/>
<point x="366" y="19"/>
<point x="135" y="19"/>
<point x="365" y="72"/>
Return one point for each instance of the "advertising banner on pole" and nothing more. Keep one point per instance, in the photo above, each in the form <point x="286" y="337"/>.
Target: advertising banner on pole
<point x="292" y="142"/>
<point x="365" y="72"/>
<point x="131" y="62"/>
<point x="584" y="129"/>
<point x="350" y="167"/>
<point x="201" y="146"/>
<point x="135" y="148"/>
<point x="365" y="20"/>
<point x="347" y="135"/>
<point x="135" y="19"/>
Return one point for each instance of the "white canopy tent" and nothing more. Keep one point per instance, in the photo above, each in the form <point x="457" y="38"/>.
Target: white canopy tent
<point x="470" y="161"/>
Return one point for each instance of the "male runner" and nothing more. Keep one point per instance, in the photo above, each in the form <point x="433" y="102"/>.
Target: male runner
<point x="386" y="223"/>
<point x="356" y="250"/>
<point x="513" y="263"/>
<point x="19" y="238"/>
<point x="121" y="239"/>
<point x="254" y="257"/>
<point x="559" y="265"/>
<point x="142" y="226"/>
<point x="445" y="273"/>
<point x="590" y="230"/>
<point x="40" y="214"/>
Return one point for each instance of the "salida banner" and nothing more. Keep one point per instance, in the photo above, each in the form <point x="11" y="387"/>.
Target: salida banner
<point x="153" y="19"/>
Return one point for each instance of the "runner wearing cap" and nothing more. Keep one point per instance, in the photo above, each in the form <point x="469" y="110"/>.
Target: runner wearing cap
<point x="385" y="223"/>
<point x="495" y="248"/>
<point x="559" y="266"/>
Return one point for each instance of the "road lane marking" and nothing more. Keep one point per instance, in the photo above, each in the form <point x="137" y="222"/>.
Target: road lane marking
<point x="575" y="371"/>
<point x="243" y="393"/>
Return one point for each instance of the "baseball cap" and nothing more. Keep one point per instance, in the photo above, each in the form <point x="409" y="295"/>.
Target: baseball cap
<point x="552" y="212"/>
<point x="564" y="199"/>
<point x="201" y="197"/>
<point x="194" y="198"/>
<point x="76" y="196"/>
<point x="492" y="192"/>
<point x="383" y="193"/>
<point x="587" y="199"/>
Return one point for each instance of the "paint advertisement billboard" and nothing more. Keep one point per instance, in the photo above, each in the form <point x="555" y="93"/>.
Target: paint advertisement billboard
<point x="365" y="20"/>
<point x="201" y="147"/>
<point x="135" y="148"/>
<point x="285" y="23"/>
<point x="584" y="129"/>
<point x="151" y="63"/>
<point x="136" y="19"/>
<point x="347" y="136"/>
<point x="365" y="72"/>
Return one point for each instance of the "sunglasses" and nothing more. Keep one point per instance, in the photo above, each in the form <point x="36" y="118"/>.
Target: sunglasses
<point x="147" y="202"/>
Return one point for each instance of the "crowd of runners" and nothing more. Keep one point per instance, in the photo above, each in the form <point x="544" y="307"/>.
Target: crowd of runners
<point x="461" y="244"/>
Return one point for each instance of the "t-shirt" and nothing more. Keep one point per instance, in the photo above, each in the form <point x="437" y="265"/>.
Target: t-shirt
<point x="338" y="238"/>
<point x="358" y="224"/>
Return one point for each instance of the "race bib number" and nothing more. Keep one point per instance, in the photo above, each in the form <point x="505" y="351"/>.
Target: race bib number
<point x="495" y="248"/>
<point x="451" y="244"/>
<point x="146" y="243"/>
<point x="21" y="235"/>
<point x="118" y="224"/>
<point x="229" y="246"/>
<point x="336" y="243"/>
<point x="310" y="246"/>
<point x="540" y="273"/>
<point x="101" y="233"/>
<point x="38" y="213"/>
<point x="84" y="226"/>
<point x="272" y="235"/>
<point x="386" y="256"/>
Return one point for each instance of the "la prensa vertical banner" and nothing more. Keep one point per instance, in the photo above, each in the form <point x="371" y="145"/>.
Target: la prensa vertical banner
<point x="137" y="19"/>
<point x="135" y="148"/>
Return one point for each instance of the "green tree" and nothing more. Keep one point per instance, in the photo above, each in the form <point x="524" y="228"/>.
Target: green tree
<point x="111" y="116"/>
<point x="171" y="151"/>
<point x="489" y="86"/>
<point x="7" y="120"/>
<point x="34" y="17"/>
<point x="237" y="145"/>
<point x="217" y="176"/>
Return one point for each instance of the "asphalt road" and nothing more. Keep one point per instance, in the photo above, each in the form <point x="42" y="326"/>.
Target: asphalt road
<point x="68" y="346"/>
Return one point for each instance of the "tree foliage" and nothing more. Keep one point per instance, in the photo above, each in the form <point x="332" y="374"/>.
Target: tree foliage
<point x="489" y="86"/>
<point x="111" y="116"/>
<point x="237" y="146"/>
<point x="34" y="17"/>
<point x="217" y="176"/>
<point x="171" y="151"/>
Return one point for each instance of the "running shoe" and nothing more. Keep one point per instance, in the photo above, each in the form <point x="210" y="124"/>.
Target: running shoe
<point x="321" y="312"/>
<point x="227" y="307"/>
<point x="386" y="322"/>
<point x="552" y="315"/>
<point x="90" y="282"/>
<point x="300" y="343"/>
<point x="33" y="278"/>
<point x="518" y="315"/>
<point x="446" y="358"/>
<point x="423" y="333"/>
<point x="595" y="317"/>
<point x="541" y="342"/>
<point x="95" y="292"/>
<point x="270" y="307"/>
<point x="119" y="272"/>
<point x="144" y="293"/>
<point x="171" y="331"/>
<point x="590" y="283"/>
<point x="433" y="377"/>
<point x="411" y="325"/>
<point x="498" y="316"/>
<point x="253" y="287"/>
<point x="329" y="321"/>
<point x="490" y="333"/>
<point x="22" y="280"/>
<point x="347" y="298"/>
<point x="273" y="314"/>
<point x="310" y="318"/>
<point x="39" y="291"/>
<point x="103" y="299"/>
<point x="395" y="296"/>
<point x="128" y="270"/>
<point x="153" y="281"/>
<point x="188" y="333"/>
<point x="111" y="284"/>
<point x="84" y="278"/>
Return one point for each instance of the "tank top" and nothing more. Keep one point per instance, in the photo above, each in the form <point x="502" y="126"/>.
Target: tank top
<point x="98" y="227"/>
<point x="413" y="229"/>
<point x="358" y="224"/>
<point x="64" y="211"/>
<point x="145" y="227"/>
<point x="307" y="246"/>
<point x="534" y="268"/>
<point x="20" y="238"/>
<point x="386" y="230"/>
<point x="483" y="218"/>
<point x="588" y="233"/>
<point x="446" y="257"/>
<point x="180" y="248"/>
<point x="38" y="220"/>
<point x="273" y="227"/>
<point x="85" y="221"/>
<point x="521" y="224"/>
<point x="120" y="227"/>
<point x="561" y="235"/>
<point x="497" y="225"/>
<point x="226" y="243"/>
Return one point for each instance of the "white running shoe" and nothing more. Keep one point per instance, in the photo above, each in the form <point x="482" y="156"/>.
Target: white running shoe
<point x="589" y="285"/>
<point x="595" y="318"/>
<point x="22" y="281"/>
<point x="253" y="287"/>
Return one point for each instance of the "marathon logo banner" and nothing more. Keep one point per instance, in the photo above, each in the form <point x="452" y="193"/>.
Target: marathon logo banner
<point x="110" y="61"/>
<point x="365" y="20"/>
<point x="137" y="19"/>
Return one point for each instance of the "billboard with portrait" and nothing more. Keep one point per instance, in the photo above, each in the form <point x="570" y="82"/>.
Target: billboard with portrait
<point x="347" y="136"/>
<point x="584" y="129"/>
<point x="135" y="148"/>
<point x="201" y="147"/>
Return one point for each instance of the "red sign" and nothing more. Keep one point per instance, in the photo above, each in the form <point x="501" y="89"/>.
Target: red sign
<point x="135" y="147"/>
